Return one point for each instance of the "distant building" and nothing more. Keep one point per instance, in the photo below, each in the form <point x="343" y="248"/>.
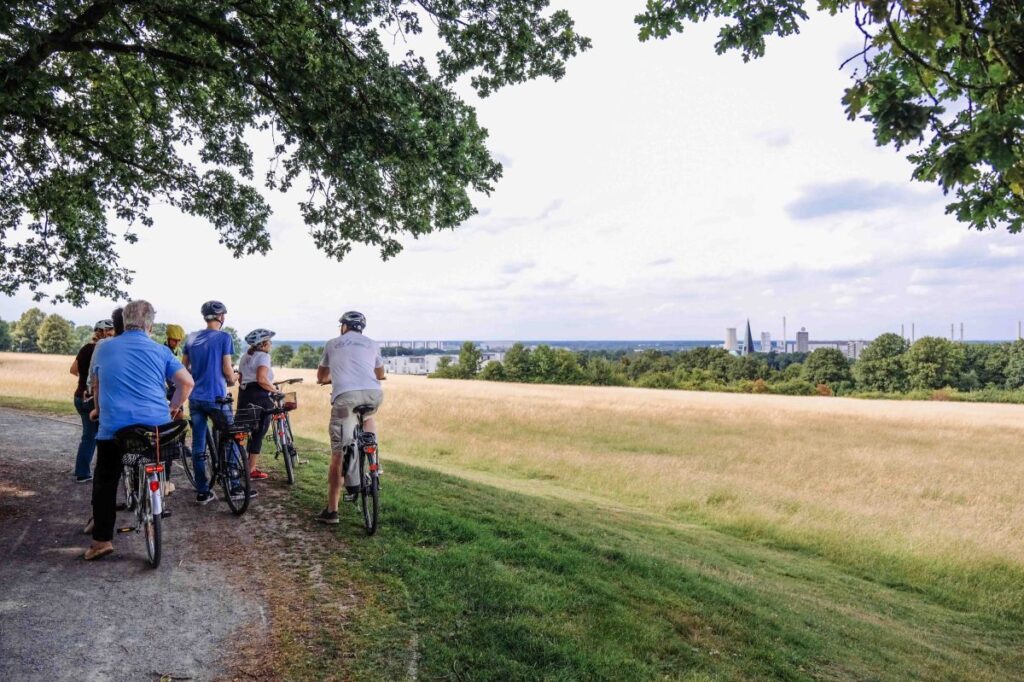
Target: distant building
<point x="803" y="341"/>
<point x="730" y="339"/>
<point x="748" y="342"/>
<point x="766" y="342"/>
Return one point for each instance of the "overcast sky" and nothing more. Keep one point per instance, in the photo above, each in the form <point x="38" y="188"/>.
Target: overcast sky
<point x="658" y="191"/>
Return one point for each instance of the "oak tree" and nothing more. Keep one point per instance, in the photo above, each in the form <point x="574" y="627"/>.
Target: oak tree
<point x="108" y="106"/>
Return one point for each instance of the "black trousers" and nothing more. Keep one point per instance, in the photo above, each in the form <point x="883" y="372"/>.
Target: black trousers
<point x="253" y="394"/>
<point x="104" y="490"/>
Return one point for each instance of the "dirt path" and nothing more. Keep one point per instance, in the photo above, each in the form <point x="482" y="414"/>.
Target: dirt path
<point x="116" y="619"/>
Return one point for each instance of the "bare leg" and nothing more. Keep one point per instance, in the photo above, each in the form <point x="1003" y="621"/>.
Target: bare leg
<point x="334" y="482"/>
<point x="252" y="462"/>
<point x="370" y="425"/>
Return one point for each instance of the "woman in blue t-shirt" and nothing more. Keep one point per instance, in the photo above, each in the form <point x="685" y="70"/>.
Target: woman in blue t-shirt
<point x="257" y="381"/>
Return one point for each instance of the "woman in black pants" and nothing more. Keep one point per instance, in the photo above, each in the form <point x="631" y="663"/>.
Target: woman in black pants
<point x="256" y="377"/>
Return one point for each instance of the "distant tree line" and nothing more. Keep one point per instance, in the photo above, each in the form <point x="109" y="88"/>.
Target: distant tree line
<point x="37" y="332"/>
<point x="931" y="367"/>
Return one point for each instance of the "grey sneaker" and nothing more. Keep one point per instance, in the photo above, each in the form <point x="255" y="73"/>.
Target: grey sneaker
<point x="205" y="498"/>
<point x="328" y="517"/>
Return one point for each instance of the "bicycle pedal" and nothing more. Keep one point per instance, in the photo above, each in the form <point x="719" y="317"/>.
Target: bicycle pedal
<point x="126" y="529"/>
<point x="165" y="513"/>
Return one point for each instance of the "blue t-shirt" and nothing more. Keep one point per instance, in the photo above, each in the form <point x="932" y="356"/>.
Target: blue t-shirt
<point x="206" y="351"/>
<point x="133" y="371"/>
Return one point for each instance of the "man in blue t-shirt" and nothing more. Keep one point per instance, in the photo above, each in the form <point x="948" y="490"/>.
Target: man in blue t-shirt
<point x="131" y="375"/>
<point x="207" y="355"/>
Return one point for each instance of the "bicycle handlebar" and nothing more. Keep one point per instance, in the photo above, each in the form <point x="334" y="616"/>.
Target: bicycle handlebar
<point x="279" y="384"/>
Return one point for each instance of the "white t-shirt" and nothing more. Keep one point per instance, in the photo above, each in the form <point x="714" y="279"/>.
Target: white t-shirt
<point x="352" y="358"/>
<point x="249" y="364"/>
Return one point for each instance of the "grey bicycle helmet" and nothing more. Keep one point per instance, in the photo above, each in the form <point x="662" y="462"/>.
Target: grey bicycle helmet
<point x="354" y="320"/>
<point x="213" y="309"/>
<point x="258" y="336"/>
<point x="103" y="325"/>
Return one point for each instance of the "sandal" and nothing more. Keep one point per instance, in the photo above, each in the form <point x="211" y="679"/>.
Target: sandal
<point x="93" y="554"/>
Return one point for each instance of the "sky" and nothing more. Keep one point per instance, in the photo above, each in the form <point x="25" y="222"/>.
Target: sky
<point x="658" y="191"/>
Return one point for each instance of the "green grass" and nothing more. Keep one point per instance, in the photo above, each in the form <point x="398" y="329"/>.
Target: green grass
<point x="469" y="582"/>
<point x="491" y="585"/>
<point x="63" y="407"/>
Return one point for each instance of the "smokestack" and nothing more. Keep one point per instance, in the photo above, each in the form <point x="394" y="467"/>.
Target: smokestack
<point x="951" y="327"/>
<point x="785" y="348"/>
<point x="961" y="332"/>
<point x="903" y="331"/>
<point x="912" y="337"/>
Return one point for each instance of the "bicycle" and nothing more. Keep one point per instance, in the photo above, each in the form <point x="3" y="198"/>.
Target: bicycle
<point x="226" y="455"/>
<point x="143" y="477"/>
<point x="365" y="443"/>
<point x="281" y="426"/>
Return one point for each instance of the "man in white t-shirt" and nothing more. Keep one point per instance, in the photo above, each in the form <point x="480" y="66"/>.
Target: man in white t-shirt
<point x="352" y="364"/>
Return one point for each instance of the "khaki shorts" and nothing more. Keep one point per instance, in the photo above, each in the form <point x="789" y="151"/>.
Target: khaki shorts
<point x="344" y="420"/>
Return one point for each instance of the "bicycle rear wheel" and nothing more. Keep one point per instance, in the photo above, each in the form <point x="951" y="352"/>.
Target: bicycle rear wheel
<point x="150" y="527"/>
<point x="235" y="461"/>
<point x="369" y="494"/>
<point x="186" y="464"/>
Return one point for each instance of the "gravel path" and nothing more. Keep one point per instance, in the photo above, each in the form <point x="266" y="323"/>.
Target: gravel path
<point x="62" y="618"/>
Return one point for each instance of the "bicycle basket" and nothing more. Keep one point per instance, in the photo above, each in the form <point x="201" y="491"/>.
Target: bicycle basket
<point x="290" y="401"/>
<point x="246" y="419"/>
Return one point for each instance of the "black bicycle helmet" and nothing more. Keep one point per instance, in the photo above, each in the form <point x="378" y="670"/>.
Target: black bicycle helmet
<point x="354" y="320"/>
<point x="213" y="309"/>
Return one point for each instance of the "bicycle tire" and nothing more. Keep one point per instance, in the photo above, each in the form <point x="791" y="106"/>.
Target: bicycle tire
<point x="289" y="457"/>
<point x="186" y="464"/>
<point x="237" y="507"/>
<point x="151" y="531"/>
<point x="127" y="477"/>
<point x="369" y="496"/>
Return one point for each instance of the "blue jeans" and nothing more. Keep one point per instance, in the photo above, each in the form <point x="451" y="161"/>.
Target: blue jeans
<point x="83" y="461"/>
<point x="199" y="412"/>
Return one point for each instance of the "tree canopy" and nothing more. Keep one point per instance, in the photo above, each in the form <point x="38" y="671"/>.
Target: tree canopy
<point x="943" y="76"/>
<point x="107" y="106"/>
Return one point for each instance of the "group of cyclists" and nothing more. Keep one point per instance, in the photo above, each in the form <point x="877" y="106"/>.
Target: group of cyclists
<point x="125" y="378"/>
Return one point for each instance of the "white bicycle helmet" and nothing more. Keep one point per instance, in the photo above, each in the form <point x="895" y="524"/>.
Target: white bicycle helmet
<point x="103" y="325"/>
<point x="258" y="336"/>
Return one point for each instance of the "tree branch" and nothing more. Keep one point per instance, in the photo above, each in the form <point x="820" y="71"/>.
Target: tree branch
<point x="15" y="73"/>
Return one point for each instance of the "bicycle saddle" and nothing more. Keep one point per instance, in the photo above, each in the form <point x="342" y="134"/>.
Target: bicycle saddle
<point x="143" y="435"/>
<point x="364" y="410"/>
<point x="226" y="400"/>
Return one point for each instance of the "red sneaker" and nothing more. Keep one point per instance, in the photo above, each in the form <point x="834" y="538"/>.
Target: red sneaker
<point x="257" y="475"/>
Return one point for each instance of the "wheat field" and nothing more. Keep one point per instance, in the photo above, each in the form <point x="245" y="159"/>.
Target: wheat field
<point x="926" y="479"/>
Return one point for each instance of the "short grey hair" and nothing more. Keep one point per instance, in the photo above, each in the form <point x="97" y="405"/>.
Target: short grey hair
<point x="139" y="315"/>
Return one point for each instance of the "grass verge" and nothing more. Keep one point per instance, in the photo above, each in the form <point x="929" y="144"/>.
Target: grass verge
<point x="476" y="583"/>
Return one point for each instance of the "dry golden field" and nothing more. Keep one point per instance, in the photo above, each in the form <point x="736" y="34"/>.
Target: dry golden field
<point x="928" y="479"/>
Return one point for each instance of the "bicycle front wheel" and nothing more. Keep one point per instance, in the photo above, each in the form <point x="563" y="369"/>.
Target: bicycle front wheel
<point x="150" y="528"/>
<point x="369" y="495"/>
<point x="235" y="477"/>
<point x="289" y="455"/>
